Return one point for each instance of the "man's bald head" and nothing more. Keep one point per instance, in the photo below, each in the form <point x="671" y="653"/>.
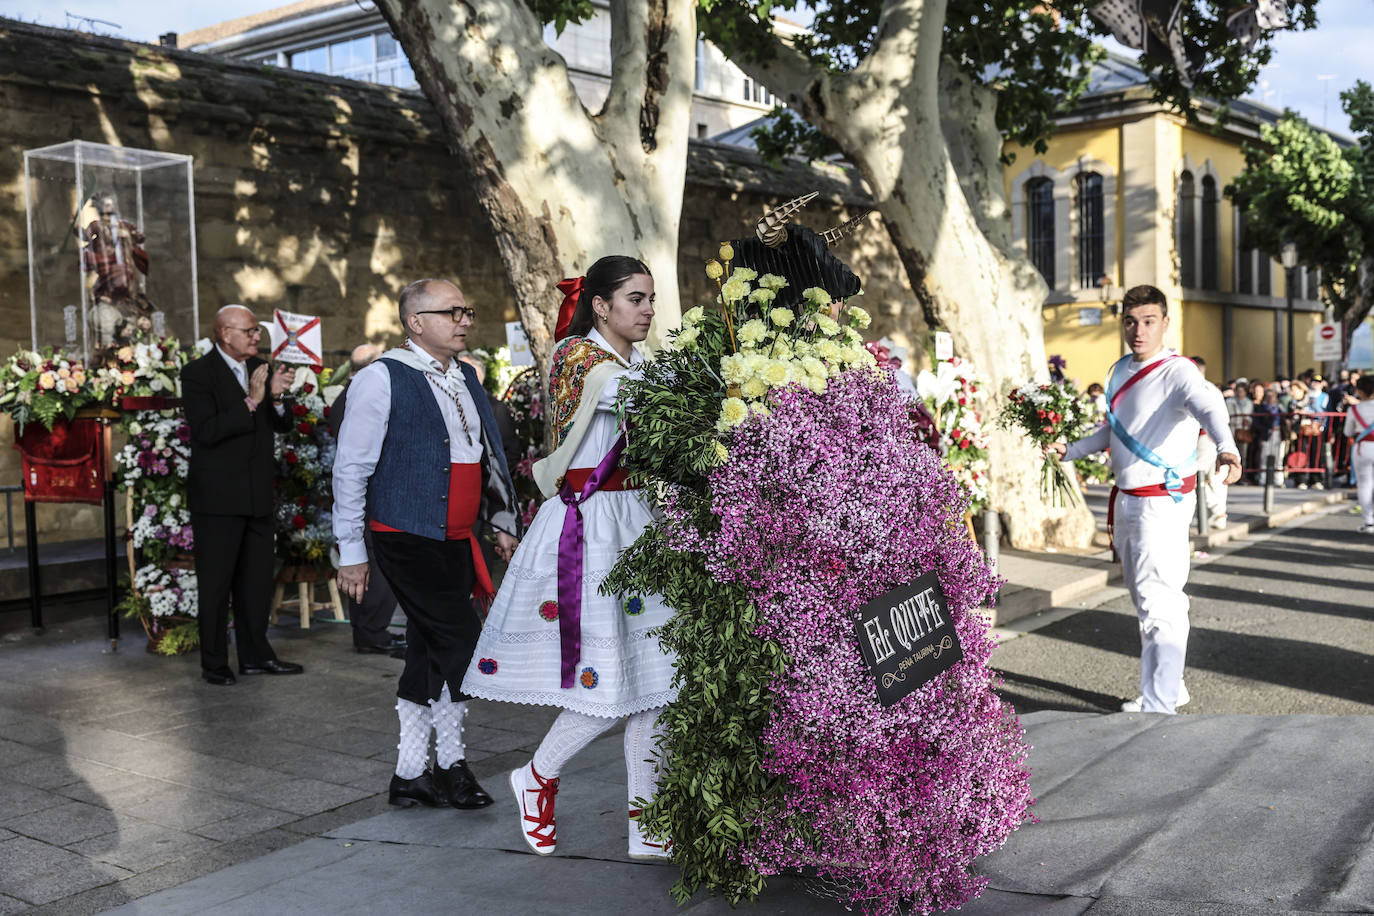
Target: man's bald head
<point x="237" y="331"/>
<point x="363" y="355"/>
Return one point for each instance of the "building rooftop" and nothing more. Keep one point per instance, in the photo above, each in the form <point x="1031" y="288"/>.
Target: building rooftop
<point x="222" y="30"/>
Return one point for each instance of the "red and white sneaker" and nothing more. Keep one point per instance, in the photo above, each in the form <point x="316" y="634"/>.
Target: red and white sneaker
<point x="643" y="848"/>
<point x="534" y="795"/>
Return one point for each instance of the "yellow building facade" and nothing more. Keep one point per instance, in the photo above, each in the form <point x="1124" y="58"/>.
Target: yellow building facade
<point x="1128" y="193"/>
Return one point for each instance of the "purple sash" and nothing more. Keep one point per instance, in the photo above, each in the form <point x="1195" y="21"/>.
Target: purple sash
<point x="570" y="563"/>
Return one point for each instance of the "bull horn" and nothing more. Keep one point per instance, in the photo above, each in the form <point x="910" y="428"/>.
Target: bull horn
<point x="773" y="227"/>
<point x="831" y="236"/>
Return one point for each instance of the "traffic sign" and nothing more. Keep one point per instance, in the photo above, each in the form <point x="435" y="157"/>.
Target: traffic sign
<point x="1326" y="344"/>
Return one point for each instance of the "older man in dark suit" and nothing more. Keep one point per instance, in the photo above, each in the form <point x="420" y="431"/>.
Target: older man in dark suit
<point x="233" y="409"/>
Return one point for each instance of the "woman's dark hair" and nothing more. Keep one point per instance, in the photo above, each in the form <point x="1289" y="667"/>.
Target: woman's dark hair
<point x="603" y="279"/>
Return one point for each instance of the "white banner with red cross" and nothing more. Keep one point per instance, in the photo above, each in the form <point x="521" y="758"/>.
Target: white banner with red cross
<point x="296" y="338"/>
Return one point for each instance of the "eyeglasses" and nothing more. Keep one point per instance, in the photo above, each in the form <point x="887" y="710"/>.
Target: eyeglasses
<point x="456" y="313"/>
<point x="254" y="331"/>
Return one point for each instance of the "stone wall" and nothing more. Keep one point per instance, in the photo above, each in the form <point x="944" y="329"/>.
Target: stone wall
<point x="326" y="196"/>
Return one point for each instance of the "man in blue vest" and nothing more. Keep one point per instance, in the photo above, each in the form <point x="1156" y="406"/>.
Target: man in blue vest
<point x="419" y="462"/>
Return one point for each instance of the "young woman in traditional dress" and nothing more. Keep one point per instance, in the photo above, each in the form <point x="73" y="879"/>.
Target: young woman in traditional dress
<point x="551" y="637"/>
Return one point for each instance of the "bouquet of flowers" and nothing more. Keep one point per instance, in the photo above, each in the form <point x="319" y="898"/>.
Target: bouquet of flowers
<point x="949" y="393"/>
<point x="44" y="386"/>
<point x="305" y="464"/>
<point x="144" y="368"/>
<point x="792" y="494"/>
<point x="1048" y="413"/>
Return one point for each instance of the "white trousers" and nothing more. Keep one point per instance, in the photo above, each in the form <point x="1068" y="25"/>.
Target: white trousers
<point x="1151" y="537"/>
<point x="1363" y="462"/>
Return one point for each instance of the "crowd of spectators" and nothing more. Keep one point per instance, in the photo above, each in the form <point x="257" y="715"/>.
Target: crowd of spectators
<point x="1292" y="420"/>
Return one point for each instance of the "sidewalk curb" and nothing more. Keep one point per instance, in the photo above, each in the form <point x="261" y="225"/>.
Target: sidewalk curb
<point x="1024" y="594"/>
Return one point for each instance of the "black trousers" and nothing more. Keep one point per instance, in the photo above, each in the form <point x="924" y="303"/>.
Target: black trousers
<point x="433" y="583"/>
<point x="371" y="616"/>
<point x="233" y="561"/>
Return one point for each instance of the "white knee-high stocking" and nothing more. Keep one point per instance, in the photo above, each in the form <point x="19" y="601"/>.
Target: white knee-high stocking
<point x="412" y="754"/>
<point x="641" y="754"/>
<point x="448" y="729"/>
<point x="570" y="733"/>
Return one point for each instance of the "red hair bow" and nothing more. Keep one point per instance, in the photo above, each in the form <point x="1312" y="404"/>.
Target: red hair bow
<point x="572" y="291"/>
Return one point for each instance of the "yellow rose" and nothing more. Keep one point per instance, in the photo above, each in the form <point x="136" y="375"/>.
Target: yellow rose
<point x="727" y="252"/>
<point x="127" y="377"/>
<point x="732" y="413"/>
<point x="714" y="270"/>
<point x="79" y="377"/>
<point x="124" y="354"/>
<point x="64" y="372"/>
<point x="46" y="380"/>
<point x="781" y="317"/>
<point x="775" y="374"/>
<point x="753" y="389"/>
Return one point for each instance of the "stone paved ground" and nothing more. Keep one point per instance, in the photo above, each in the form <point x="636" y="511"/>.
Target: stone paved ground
<point x="128" y="778"/>
<point x="125" y="773"/>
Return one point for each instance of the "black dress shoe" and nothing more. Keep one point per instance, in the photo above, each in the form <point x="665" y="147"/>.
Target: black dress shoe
<point x="271" y="666"/>
<point x="405" y="793"/>
<point x="395" y="644"/>
<point x="220" y="677"/>
<point x="460" y="787"/>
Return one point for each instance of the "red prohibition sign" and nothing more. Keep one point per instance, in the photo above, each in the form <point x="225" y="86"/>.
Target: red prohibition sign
<point x="1328" y="332"/>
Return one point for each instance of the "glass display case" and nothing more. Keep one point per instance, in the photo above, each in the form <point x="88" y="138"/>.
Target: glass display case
<point x="112" y="247"/>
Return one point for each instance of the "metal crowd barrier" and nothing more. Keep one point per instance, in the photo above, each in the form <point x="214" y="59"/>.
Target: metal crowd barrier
<point x="1309" y="446"/>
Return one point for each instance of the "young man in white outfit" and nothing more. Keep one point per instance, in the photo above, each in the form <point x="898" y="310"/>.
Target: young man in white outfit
<point x="1359" y="426"/>
<point x="1157" y="401"/>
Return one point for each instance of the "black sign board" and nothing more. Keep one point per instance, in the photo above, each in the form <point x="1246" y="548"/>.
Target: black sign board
<point x="907" y="637"/>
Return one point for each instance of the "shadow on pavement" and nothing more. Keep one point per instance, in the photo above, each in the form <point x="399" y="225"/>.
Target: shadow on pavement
<point x="1029" y="694"/>
<point x="1328" y="670"/>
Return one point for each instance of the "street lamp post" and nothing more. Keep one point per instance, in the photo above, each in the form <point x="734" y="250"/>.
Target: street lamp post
<point x="1288" y="256"/>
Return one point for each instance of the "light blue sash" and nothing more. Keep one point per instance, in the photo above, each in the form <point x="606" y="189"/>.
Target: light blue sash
<point x="1173" y="481"/>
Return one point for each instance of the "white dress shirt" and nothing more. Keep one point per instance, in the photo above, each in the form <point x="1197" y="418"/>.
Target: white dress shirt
<point x="367" y="414"/>
<point x="236" y="366"/>
<point x="1164" y="412"/>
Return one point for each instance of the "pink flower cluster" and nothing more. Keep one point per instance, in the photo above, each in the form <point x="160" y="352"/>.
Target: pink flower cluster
<point x="824" y="505"/>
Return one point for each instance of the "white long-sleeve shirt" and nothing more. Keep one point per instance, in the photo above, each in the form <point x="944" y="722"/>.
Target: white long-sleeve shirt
<point x="1164" y="412"/>
<point x="366" y="417"/>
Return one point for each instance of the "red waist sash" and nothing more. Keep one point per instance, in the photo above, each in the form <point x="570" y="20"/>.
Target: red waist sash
<point x="577" y="479"/>
<point x="464" y="503"/>
<point x="1155" y="489"/>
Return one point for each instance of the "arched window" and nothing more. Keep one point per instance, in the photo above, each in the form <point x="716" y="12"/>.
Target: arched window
<point x="1091" y="235"/>
<point x="1187" y="231"/>
<point x="1040" y="226"/>
<point x="1211" y="233"/>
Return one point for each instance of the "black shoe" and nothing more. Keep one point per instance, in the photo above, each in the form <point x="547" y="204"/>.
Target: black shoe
<point x="460" y="787"/>
<point x="271" y="666"/>
<point x="405" y="793"/>
<point x="390" y="647"/>
<point x="220" y="677"/>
